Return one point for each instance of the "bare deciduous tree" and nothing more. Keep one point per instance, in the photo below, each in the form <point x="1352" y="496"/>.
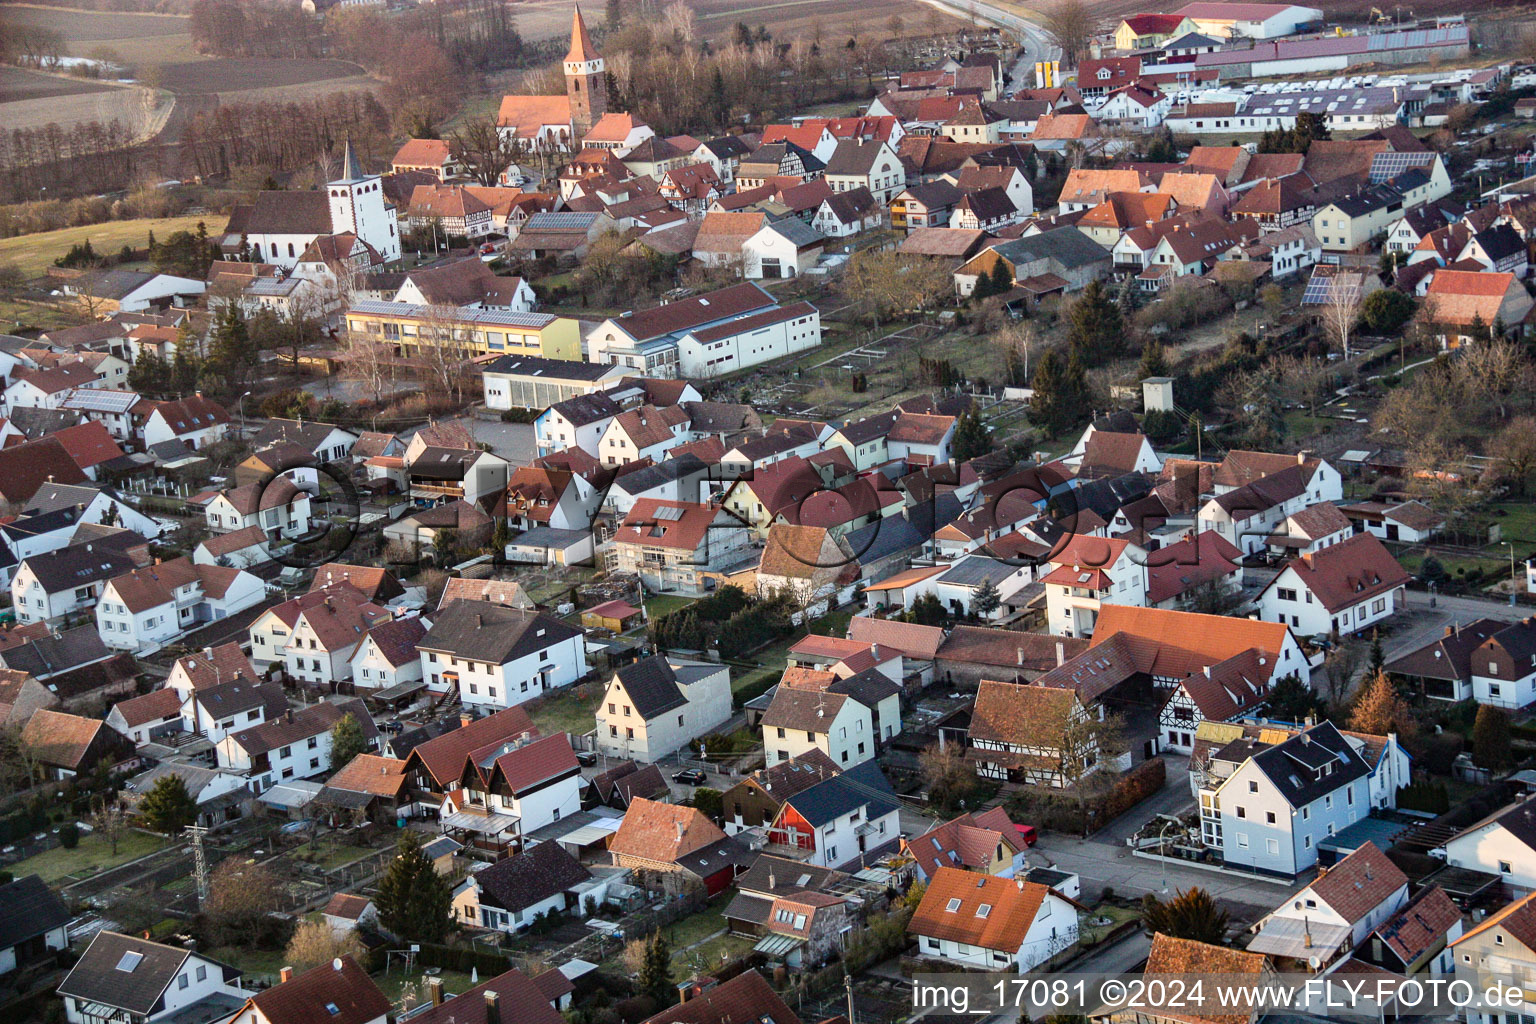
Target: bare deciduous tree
<point x="1069" y="25"/>
<point x="482" y="148"/>
<point x="1341" y="312"/>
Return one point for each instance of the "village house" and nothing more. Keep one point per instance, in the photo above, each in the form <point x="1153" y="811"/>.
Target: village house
<point x="280" y="509"/>
<point x="1269" y="813"/>
<point x="508" y="655"/>
<point x="656" y="706"/>
<point x="509" y="789"/>
<point x="325" y="636"/>
<point x="294" y="746"/>
<point x="387" y="656"/>
<point x="990" y="923"/>
<point x="136" y="980"/>
<point x="675" y="849"/>
<point x="1501" y="947"/>
<point x="339" y="982"/>
<point x="1334" y="914"/>
<point x="987" y="843"/>
<point x="1034" y="735"/>
<point x="147" y="608"/>
<point x="671" y="545"/>
<point x="1344" y="588"/>
<point x="842" y="822"/>
<point x="756" y="799"/>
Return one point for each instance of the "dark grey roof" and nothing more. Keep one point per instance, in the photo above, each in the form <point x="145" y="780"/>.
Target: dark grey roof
<point x="973" y="570"/>
<point x="1500" y="241"/>
<point x="1105" y="496"/>
<point x="863" y="785"/>
<point x="868" y="429"/>
<point x="36" y="423"/>
<point x="1189" y="40"/>
<point x="989" y="203"/>
<point x="583" y="409"/>
<point x="935" y="194"/>
<point x="58" y="652"/>
<point x="515" y="883"/>
<point x="443" y="463"/>
<point x="481" y="631"/>
<point x="78" y="565"/>
<point x="781" y="876"/>
<point x="1067" y="246"/>
<point x="119" y="283"/>
<point x="797" y="231"/>
<point x="28" y="908"/>
<point x="889" y="535"/>
<point x="237" y="696"/>
<point x="727" y="851"/>
<point x="52" y="496"/>
<point x="172" y="450"/>
<point x="869" y="687"/>
<point x="1299" y="767"/>
<point x="1372" y="197"/>
<point x="657" y="474"/>
<point x="40" y="523"/>
<point x="563" y="369"/>
<point x="652" y="687"/>
<point x="109" y="975"/>
<point x="309" y="434"/>
<point x="726" y="146"/>
<point x="1518" y="640"/>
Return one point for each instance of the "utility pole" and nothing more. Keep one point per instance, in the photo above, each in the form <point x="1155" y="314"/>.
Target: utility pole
<point x="199" y="860"/>
<point x="848" y="987"/>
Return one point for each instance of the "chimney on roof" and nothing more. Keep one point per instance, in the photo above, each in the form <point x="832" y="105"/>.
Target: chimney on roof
<point x="336" y="964"/>
<point x="465" y="718"/>
<point x="1207" y="671"/>
<point x="772" y="884"/>
<point x="286" y="974"/>
<point x="679" y="830"/>
<point x="492" y="1007"/>
<point x="435" y="990"/>
<point x="874" y="649"/>
<point x="1061" y="653"/>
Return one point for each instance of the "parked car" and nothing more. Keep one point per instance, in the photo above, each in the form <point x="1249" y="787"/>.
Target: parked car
<point x="1028" y="834"/>
<point x="587" y="758"/>
<point x="690" y="776"/>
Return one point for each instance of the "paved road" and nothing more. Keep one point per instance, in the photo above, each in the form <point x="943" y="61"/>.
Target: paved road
<point x="1033" y="42"/>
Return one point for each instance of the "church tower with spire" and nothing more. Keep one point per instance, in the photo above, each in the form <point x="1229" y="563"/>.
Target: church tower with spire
<point x="586" y="84"/>
<point x="358" y="207"/>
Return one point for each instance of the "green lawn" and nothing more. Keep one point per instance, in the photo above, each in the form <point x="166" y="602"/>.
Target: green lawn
<point x="702" y="958"/>
<point x="92" y="855"/>
<point x="391" y="984"/>
<point x="696" y="927"/>
<point x="18" y="315"/>
<point x="665" y="604"/>
<point x="34" y="254"/>
<point x="322" y="853"/>
<point x="254" y="962"/>
<point x="1090" y="934"/>
<point x="565" y="712"/>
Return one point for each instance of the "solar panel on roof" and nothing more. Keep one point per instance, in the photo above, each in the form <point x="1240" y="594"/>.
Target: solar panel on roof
<point x="1385" y="166"/>
<point x="95" y="400"/>
<point x="669" y="513"/>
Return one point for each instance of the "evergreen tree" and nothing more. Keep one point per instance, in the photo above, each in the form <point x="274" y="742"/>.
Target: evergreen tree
<point x="347" y="741"/>
<point x="1291" y="700"/>
<point x="1060" y="392"/>
<point x="1490" y="739"/>
<point x="1190" y="914"/>
<point x="987" y="599"/>
<point x="231" y="356"/>
<point x="152" y="248"/>
<point x="972" y="438"/>
<point x="926" y="610"/>
<point x="1378" y="659"/>
<point x="1154" y="360"/>
<point x="1001" y="279"/>
<point x="414" y="901"/>
<point x="655" y="977"/>
<point x="168" y="807"/>
<point x="150" y="375"/>
<point x="1095" y="328"/>
<point x="183" y="371"/>
<point x="1129" y="298"/>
